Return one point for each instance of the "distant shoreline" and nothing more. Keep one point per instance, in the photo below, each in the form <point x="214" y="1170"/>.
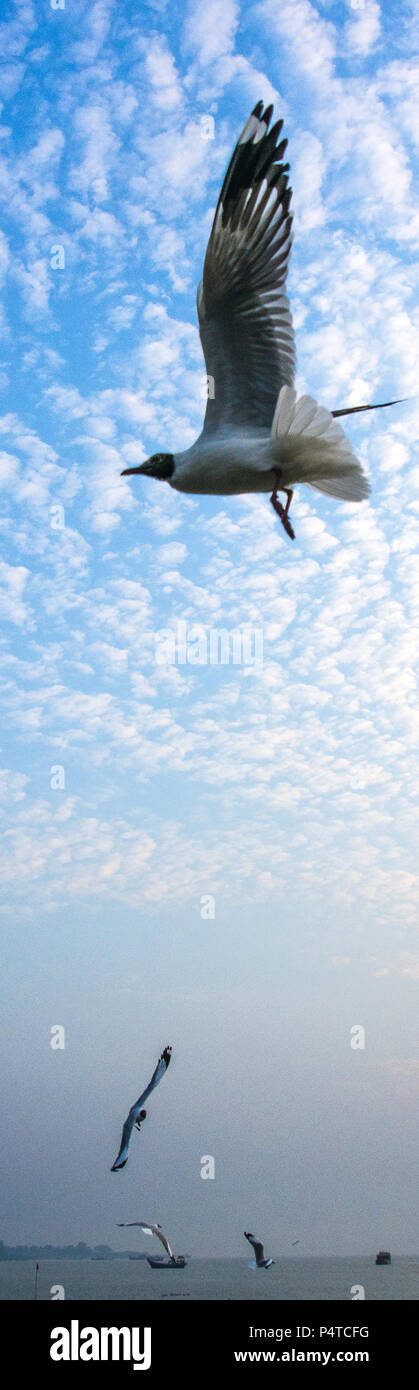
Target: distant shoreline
<point x="66" y="1252"/>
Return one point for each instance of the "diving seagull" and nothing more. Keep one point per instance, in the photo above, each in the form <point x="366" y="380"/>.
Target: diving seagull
<point x="150" y="1230"/>
<point x="257" y="435"/>
<point x="259" y="1261"/>
<point x="137" y="1114"/>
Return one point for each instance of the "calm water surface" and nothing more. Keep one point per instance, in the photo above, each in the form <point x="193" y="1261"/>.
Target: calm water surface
<point x="299" y="1279"/>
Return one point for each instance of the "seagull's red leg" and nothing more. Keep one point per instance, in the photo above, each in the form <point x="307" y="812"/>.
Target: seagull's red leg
<point x="281" y="511"/>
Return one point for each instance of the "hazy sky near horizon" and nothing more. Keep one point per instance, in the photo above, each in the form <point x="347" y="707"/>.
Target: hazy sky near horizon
<point x="220" y="856"/>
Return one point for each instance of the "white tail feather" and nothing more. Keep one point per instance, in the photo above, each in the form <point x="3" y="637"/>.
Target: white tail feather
<point x="315" y="450"/>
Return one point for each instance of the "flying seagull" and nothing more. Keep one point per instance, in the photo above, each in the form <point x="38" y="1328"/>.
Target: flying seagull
<point x="150" y="1230"/>
<point x="257" y="436"/>
<point x="137" y="1114"/>
<point x="259" y="1261"/>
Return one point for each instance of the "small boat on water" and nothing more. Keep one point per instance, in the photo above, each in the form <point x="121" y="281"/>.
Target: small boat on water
<point x="158" y="1263"/>
<point x="383" y="1257"/>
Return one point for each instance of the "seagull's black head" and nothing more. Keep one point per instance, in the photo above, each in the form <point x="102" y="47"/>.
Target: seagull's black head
<point x="158" y="466"/>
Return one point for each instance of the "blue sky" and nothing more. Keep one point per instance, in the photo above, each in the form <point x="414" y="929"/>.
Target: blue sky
<point x="285" y="789"/>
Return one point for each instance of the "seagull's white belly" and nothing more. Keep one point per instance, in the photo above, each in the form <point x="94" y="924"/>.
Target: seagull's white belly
<point x="227" y="466"/>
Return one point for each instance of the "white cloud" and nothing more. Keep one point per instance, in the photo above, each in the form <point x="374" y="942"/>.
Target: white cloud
<point x="308" y="745"/>
<point x="13" y="580"/>
<point x="173" y="554"/>
<point x="97" y="20"/>
<point x="311" y="38"/>
<point x="363" y="26"/>
<point x="210" y="32"/>
<point x="161" y="71"/>
<point x="91" y="173"/>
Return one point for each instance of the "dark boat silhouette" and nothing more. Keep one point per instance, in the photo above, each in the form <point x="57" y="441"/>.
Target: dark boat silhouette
<point x="383" y="1257"/>
<point x="159" y="1262"/>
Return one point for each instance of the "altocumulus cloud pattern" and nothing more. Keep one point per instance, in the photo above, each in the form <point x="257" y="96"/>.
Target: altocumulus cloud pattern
<point x="286" y="789"/>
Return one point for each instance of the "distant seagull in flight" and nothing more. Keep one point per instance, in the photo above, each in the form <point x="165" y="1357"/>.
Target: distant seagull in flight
<point x="137" y="1114"/>
<point x="259" y="1261"/>
<point x="150" y="1230"/>
<point x="257" y="436"/>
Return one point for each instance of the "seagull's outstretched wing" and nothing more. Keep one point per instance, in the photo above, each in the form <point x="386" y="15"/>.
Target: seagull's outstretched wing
<point x="164" y="1242"/>
<point x="257" y="1245"/>
<point x="121" y="1158"/>
<point x="244" y="317"/>
<point x="144" y="1226"/>
<point x="151" y="1230"/>
<point x="159" y="1071"/>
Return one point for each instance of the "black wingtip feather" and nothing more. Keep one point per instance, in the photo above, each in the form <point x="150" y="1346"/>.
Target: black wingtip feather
<point x="276" y="130"/>
<point x="267" y="153"/>
<point x="253" y="161"/>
